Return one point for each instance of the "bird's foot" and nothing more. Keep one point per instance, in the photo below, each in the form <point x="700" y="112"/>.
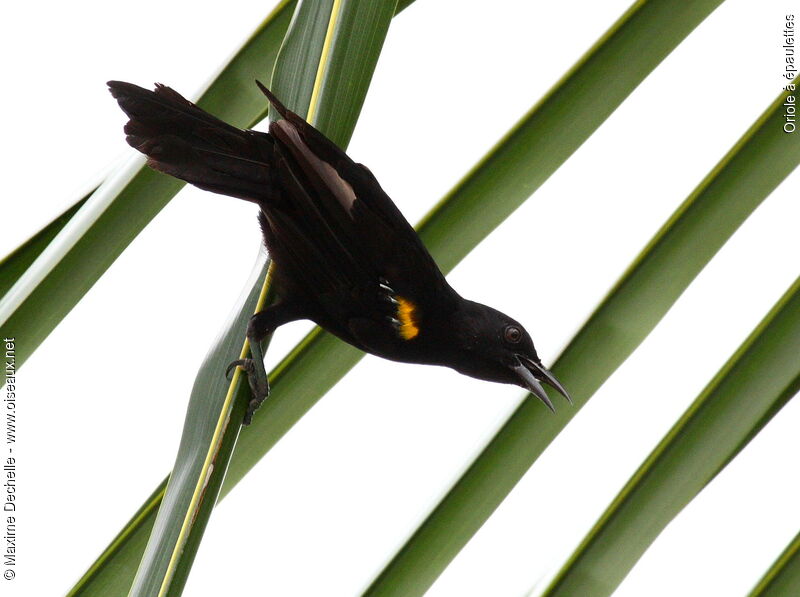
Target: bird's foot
<point x="256" y="377"/>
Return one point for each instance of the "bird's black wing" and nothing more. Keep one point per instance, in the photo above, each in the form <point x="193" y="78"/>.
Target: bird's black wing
<point x="380" y="282"/>
<point x="366" y="224"/>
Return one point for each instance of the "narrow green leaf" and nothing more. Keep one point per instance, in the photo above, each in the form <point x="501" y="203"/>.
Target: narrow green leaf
<point x="157" y="568"/>
<point x="104" y="579"/>
<point x="763" y="372"/>
<point x="16" y="262"/>
<point x="202" y="512"/>
<point x="125" y="203"/>
<point x="308" y="65"/>
<point x="219" y="444"/>
<point x="343" y="82"/>
<point x="233" y="97"/>
<point x="783" y="578"/>
<point x="759" y="161"/>
<point x="194" y="485"/>
<point x="298" y="61"/>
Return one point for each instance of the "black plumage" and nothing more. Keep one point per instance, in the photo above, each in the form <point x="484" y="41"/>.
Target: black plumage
<point x="344" y="255"/>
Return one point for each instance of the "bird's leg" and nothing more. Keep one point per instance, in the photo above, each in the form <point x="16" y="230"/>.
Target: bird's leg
<point x="260" y="326"/>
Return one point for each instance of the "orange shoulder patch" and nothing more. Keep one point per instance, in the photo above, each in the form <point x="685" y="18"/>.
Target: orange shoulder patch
<point x="407" y="316"/>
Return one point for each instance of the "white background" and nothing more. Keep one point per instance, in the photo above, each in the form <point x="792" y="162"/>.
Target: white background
<point x="101" y="403"/>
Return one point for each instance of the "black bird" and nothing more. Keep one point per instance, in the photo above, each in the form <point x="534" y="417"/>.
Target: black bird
<point x="344" y="256"/>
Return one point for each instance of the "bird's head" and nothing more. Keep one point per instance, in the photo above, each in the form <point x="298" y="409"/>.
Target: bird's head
<point x="495" y="347"/>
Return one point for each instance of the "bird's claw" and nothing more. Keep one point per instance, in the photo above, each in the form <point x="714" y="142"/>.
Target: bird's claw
<point x="259" y="385"/>
<point x="237" y="363"/>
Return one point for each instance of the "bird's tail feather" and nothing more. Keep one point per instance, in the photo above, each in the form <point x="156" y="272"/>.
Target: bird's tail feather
<point x="184" y="141"/>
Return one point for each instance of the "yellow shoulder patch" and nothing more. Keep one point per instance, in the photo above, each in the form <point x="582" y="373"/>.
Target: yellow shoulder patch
<point x="406" y="315"/>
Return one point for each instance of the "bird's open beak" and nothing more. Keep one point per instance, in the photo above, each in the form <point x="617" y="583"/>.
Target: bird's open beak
<point x="532" y="374"/>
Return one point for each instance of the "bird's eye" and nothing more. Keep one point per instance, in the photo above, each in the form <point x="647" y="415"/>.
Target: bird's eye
<point x="513" y="334"/>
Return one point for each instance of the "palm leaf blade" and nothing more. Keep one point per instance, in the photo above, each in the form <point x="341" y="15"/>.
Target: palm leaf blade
<point x="783" y="577"/>
<point x="763" y="372"/>
<point x="761" y="159"/>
